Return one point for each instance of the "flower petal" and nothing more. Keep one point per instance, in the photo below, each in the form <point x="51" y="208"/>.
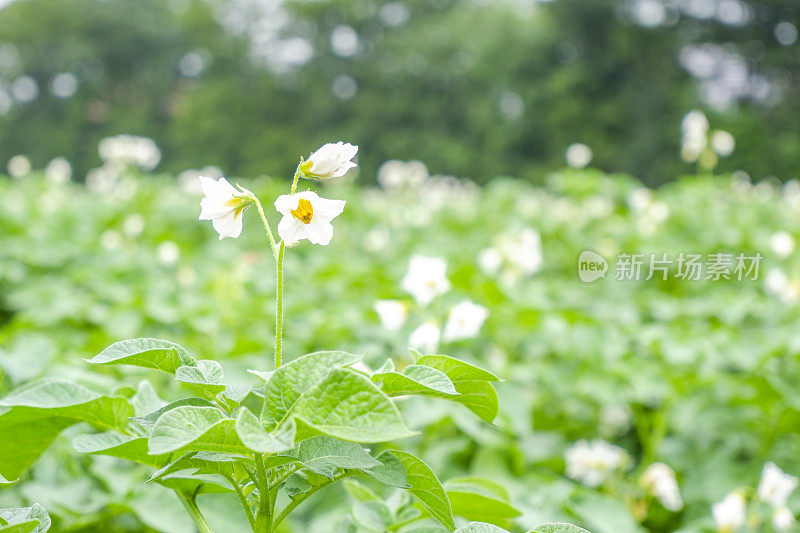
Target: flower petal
<point x="327" y="209"/>
<point x="228" y="225"/>
<point x="290" y="229"/>
<point x="286" y="202"/>
<point x="319" y="231"/>
<point x="213" y="207"/>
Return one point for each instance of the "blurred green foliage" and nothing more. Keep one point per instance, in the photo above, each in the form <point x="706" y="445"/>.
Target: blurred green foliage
<point x="698" y="374"/>
<point x="472" y="89"/>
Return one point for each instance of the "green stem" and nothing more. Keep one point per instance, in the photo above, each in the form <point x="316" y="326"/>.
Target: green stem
<point x="243" y="501"/>
<point x="272" y="244"/>
<point x="264" y="515"/>
<point x="190" y="505"/>
<point x="297" y="175"/>
<point x="279" y="306"/>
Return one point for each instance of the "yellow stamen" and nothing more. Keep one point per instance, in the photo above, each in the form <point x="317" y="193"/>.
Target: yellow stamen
<point x="304" y="211"/>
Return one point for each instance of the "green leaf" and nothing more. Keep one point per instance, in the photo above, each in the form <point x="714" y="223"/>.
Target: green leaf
<point x="145" y="353"/>
<point x="558" y="527"/>
<point x="118" y="445"/>
<point x="33" y="519"/>
<point x="147" y="421"/>
<point x="195" y="483"/>
<point x="146" y="399"/>
<point x="348" y="406"/>
<point x="33" y="415"/>
<point x="286" y="384"/>
<point x="426" y="488"/>
<point x="480" y="527"/>
<point x="359" y="491"/>
<point x="373" y="516"/>
<point x="256" y="438"/>
<point x="4" y="481"/>
<point x="192" y="428"/>
<point x="202" y="463"/>
<point x="325" y="456"/>
<point x="481" y="500"/>
<point x="416" y="379"/>
<point x="205" y="375"/>
<point x="390" y="471"/>
<point x="471" y="382"/>
<point x="456" y="369"/>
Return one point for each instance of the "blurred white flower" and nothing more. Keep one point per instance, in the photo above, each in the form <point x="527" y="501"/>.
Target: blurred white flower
<point x="523" y="251"/>
<point x="777" y="284"/>
<point x="101" y="180"/>
<point x="723" y="143"/>
<point x="578" y="155"/>
<point x="695" y="135"/>
<point x="782" y="244"/>
<point x="490" y="260"/>
<point x="58" y="170"/>
<point x="775" y="486"/>
<point x="640" y="198"/>
<point x="391" y="312"/>
<point x="426" y="278"/>
<point x="592" y="463"/>
<point x="110" y="239"/>
<point x="782" y="519"/>
<point x="660" y="480"/>
<point x="465" y="321"/>
<point x="330" y="161"/>
<point x="223" y="205"/>
<point x="729" y="513"/>
<point x="393" y="174"/>
<point x="425" y="338"/>
<point x="130" y="150"/>
<point x="133" y="225"/>
<point x="168" y="253"/>
<point x="307" y="216"/>
<point x="19" y="166"/>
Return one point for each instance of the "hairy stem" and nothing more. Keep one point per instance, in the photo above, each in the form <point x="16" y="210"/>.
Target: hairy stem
<point x="272" y="244"/>
<point x="243" y="501"/>
<point x="279" y="306"/>
<point x="190" y="505"/>
<point x="264" y="514"/>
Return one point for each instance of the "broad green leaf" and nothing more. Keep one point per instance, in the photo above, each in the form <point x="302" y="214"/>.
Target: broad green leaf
<point x="286" y="384"/>
<point x="359" y="491"/>
<point x="146" y="399"/>
<point x="34" y="414"/>
<point x="348" y="406"/>
<point x="390" y="471"/>
<point x="236" y="393"/>
<point x="255" y="437"/>
<point x="456" y="369"/>
<point x="325" y="456"/>
<point x="118" y="445"/>
<point x="145" y="353"/>
<point x="480" y="527"/>
<point x="192" y="428"/>
<point x="479" y="397"/>
<point x="205" y="374"/>
<point x="558" y="527"/>
<point x="481" y="500"/>
<point x="33" y="519"/>
<point x="427" y="489"/>
<point x="4" y="481"/>
<point x="416" y="379"/>
<point x="147" y="421"/>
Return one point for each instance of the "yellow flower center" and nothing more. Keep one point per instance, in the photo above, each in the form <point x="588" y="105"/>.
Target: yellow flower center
<point x="304" y="211"/>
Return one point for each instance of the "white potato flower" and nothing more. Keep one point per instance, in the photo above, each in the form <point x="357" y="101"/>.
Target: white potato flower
<point x="660" y="480"/>
<point x="465" y="321"/>
<point x="426" y="278"/>
<point x="391" y="312"/>
<point x="223" y="205"/>
<point x="592" y="463"/>
<point x="782" y="519"/>
<point x="729" y="513"/>
<point x="775" y="486"/>
<point x="330" y="161"/>
<point x="425" y="338"/>
<point x="307" y="216"/>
